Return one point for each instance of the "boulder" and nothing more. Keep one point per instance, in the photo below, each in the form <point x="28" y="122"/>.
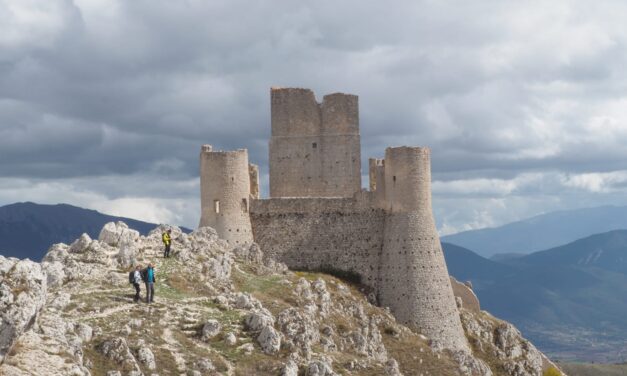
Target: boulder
<point x="126" y="258"/>
<point x="55" y="273"/>
<point x="258" y="319"/>
<point x="6" y="264"/>
<point x="23" y="286"/>
<point x="290" y="369"/>
<point x="80" y="245"/>
<point x="503" y="341"/>
<point x="57" y="252"/>
<point x="118" y="351"/>
<point x="146" y="357"/>
<point x="117" y="234"/>
<point x="299" y="329"/>
<point x="269" y="340"/>
<point x="211" y="329"/>
<point x="218" y="267"/>
<point x="243" y="301"/>
<point x="319" y="368"/>
<point x="204" y="365"/>
<point x="230" y="339"/>
<point x="367" y="341"/>
<point x="469" y="365"/>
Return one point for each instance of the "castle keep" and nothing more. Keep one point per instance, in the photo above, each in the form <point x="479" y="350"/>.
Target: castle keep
<point x="318" y="217"/>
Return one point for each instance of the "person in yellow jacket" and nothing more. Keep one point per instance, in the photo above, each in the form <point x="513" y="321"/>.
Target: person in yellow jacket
<point x="167" y="240"/>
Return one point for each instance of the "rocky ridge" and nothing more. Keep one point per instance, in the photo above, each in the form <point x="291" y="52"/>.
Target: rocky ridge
<point x="218" y="310"/>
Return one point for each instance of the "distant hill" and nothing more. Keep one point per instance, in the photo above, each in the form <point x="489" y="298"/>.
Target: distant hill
<point x="466" y="265"/>
<point x="606" y="251"/>
<point x="543" y="231"/>
<point x="569" y="300"/>
<point x="27" y="229"/>
<point x="506" y="257"/>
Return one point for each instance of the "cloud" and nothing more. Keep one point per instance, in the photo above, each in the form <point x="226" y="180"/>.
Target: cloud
<point x="146" y="197"/>
<point x="614" y="181"/>
<point x="519" y="102"/>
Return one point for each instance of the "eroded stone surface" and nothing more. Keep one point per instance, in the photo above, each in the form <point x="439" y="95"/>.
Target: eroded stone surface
<point x="23" y="286"/>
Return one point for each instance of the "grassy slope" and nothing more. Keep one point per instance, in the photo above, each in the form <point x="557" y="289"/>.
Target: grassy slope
<point x="182" y="303"/>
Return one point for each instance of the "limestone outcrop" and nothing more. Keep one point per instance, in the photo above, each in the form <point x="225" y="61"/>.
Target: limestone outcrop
<point x="219" y="310"/>
<point x="23" y="287"/>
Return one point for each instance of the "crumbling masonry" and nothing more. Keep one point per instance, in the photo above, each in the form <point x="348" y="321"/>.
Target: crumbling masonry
<point x="319" y="218"/>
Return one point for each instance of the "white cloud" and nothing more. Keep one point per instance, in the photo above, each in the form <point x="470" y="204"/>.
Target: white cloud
<point x="597" y="182"/>
<point x="145" y="209"/>
<point x="158" y="201"/>
<point x="106" y="103"/>
<point x="32" y="23"/>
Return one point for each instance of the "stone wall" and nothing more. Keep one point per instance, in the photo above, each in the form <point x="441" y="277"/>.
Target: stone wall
<point x="322" y="233"/>
<point x="225" y="193"/>
<point x="315" y="147"/>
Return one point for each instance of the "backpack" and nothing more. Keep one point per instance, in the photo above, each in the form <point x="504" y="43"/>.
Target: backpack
<point x="131" y="277"/>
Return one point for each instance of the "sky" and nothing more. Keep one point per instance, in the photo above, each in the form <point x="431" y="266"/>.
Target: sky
<point x="105" y="104"/>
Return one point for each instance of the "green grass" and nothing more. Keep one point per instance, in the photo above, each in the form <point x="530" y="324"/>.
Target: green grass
<point x="269" y="289"/>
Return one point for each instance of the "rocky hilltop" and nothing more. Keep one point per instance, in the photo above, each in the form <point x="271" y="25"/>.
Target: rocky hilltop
<point x="221" y="310"/>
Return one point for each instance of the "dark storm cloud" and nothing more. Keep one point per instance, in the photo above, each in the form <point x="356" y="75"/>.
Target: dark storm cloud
<point x="107" y="99"/>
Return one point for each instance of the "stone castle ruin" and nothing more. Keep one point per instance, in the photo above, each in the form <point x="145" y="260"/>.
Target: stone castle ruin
<point x="318" y="217"/>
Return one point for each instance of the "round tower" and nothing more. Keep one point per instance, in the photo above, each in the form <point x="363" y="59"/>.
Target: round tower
<point x="225" y="194"/>
<point x="413" y="278"/>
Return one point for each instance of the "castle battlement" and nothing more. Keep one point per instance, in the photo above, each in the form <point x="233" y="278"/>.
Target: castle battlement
<point x="297" y="113"/>
<point x="319" y="218"/>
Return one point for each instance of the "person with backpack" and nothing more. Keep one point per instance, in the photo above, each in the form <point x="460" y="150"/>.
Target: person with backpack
<point x="167" y="240"/>
<point x="135" y="278"/>
<point x="148" y="275"/>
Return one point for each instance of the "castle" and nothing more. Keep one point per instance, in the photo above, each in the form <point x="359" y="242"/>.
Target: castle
<point x="318" y="217"/>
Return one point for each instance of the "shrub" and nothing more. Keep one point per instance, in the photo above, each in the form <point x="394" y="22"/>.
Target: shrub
<point x="552" y="371"/>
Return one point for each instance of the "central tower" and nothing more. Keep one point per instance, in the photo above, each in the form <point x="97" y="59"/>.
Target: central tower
<point x="314" y="148"/>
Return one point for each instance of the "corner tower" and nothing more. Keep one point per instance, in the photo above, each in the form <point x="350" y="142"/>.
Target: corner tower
<point x="413" y="278"/>
<point x="225" y="193"/>
<point x="315" y="147"/>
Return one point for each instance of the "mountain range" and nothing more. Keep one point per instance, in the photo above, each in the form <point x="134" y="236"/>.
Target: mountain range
<point x="569" y="300"/>
<point x="542" y="232"/>
<point x="27" y="229"/>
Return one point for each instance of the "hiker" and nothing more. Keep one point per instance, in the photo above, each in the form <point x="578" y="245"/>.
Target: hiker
<point x="167" y="240"/>
<point x="135" y="278"/>
<point x="148" y="275"/>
